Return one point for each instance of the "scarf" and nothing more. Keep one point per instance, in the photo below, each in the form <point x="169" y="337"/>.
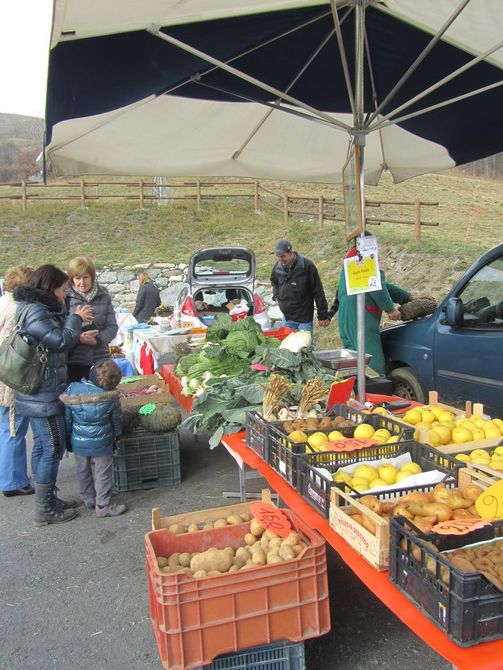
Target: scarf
<point x="90" y="295"/>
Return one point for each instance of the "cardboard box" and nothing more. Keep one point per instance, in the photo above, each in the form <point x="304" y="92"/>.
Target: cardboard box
<point x="146" y="380"/>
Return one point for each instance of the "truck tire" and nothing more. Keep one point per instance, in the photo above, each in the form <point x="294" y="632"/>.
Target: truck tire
<point x="407" y="385"/>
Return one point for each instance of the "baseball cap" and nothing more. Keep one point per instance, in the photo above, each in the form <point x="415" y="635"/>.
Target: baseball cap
<point x="282" y="247"/>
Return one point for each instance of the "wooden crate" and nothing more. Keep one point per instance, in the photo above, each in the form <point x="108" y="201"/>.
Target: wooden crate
<point x="203" y="516"/>
<point x="146" y="380"/>
<point x="482" y="475"/>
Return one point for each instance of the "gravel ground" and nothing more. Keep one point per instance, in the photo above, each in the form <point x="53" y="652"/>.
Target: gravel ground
<point x="74" y="596"/>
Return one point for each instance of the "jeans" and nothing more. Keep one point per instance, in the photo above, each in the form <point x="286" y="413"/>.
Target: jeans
<point x="13" y="473"/>
<point x="297" y="325"/>
<point x="49" y="442"/>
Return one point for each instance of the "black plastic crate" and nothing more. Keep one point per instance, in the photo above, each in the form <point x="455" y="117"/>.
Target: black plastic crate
<point x="275" y="656"/>
<point x="146" y="460"/>
<point x="257" y="434"/>
<point x="284" y="453"/>
<point x="466" y="606"/>
<point x="315" y="487"/>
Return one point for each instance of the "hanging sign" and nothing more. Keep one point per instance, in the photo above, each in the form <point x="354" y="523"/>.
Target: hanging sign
<point x="362" y="271"/>
<point x="271" y="518"/>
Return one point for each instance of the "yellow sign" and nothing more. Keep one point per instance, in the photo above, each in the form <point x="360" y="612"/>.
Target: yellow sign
<point x="362" y="274"/>
<point x="490" y="503"/>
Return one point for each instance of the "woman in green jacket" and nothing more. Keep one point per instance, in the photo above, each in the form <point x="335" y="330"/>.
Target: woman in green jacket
<point x="376" y="302"/>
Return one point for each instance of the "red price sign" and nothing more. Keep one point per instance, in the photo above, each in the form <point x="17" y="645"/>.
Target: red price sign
<point x="459" y="526"/>
<point x="350" y="444"/>
<point x="271" y="518"/>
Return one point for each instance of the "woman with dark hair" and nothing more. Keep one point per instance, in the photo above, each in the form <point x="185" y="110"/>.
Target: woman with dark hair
<point x="147" y="300"/>
<point x="99" y="329"/>
<point x="45" y="322"/>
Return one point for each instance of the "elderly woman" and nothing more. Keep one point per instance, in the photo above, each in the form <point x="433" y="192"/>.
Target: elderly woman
<point x="147" y="300"/>
<point x="46" y="323"/>
<point x="14" y="479"/>
<point x="100" y="329"/>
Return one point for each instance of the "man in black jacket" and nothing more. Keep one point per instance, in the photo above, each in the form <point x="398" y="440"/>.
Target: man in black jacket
<point x="297" y="287"/>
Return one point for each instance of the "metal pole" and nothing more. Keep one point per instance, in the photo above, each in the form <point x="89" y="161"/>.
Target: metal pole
<point x="359" y="138"/>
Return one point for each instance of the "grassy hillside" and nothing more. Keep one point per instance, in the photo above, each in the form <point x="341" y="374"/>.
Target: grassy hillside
<point x="470" y="219"/>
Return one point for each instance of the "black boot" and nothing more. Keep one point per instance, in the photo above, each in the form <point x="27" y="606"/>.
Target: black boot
<point x="63" y="504"/>
<point x="46" y="509"/>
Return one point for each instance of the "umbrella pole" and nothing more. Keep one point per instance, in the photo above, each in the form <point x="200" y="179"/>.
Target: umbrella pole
<point x="359" y="139"/>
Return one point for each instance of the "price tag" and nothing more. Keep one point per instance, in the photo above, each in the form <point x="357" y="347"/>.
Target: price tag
<point x="147" y="409"/>
<point x="350" y="444"/>
<point x="490" y="503"/>
<point x="459" y="526"/>
<point x="271" y="518"/>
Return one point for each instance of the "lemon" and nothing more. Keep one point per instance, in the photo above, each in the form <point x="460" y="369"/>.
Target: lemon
<point x="377" y="483"/>
<point x="317" y="440"/>
<point x="384" y="432"/>
<point x="365" y="471"/>
<point x="461" y="434"/>
<point x="387" y="472"/>
<point x="492" y="431"/>
<point x="434" y="438"/>
<point x="465" y="458"/>
<point x="363" y="431"/>
<point x="360" y="483"/>
<point x="335" y="435"/>
<point x="297" y="436"/>
<point x="380" y="410"/>
<point x="427" y="416"/>
<point x="394" y="438"/>
<point x="342" y="477"/>
<point x="412" y="416"/>
<point x="411" y="467"/>
<point x="444" y="433"/>
<point x="403" y="474"/>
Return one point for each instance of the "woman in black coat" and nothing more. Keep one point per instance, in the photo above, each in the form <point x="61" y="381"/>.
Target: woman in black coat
<point x="147" y="300"/>
<point x="46" y="322"/>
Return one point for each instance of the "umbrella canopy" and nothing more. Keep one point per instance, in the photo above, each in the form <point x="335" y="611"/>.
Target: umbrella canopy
<point x="266" y="88"/>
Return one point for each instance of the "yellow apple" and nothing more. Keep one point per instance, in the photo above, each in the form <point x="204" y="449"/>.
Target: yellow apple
<point x="335" y="435"/>
<point x="465" y="458"/>
<point x="377" y="483"/>
<point x="412" y="416"/>
<point x="365" y="471"/>
<point x="461" y="434"/>
<point x="492" y="431"/>
<point x="444" y="432"/>
<point x="360" y="483"/>
<point x="342" y="476"/>
<point x="387" y="472"/>
<point x="364" y="431"/>
<point x="402" y="475"/>
<point x="411" y="467"/>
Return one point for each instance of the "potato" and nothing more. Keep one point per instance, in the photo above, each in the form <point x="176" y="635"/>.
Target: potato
<point x="299" y="548"/>
<point x="292" y="539"/>
<point x="238" y="561"/>
<point x="193" y="528"/>
<point x="174" y="559"/>
<point x="264" y="543"/>
<point x="187" y="571"/>
<point x="248" y="565"/>
<point x="208" y="526"/>
<point x="169" y="569"/>
<point x="220" y="523"/>
<point x="213" y="573"/>
<point x="213" y="559"/>
<point x="200" y="573"/>
<point x="258" y="555"/>
<point x="176" y="529"/>
<point x="275" y="542"/>
<point x="286" y="551"/>
<point x="256" y="528"/>
<point x="274" y="550"/>
<point x="245" y="516"/>
<point x="273" y="558"/>
<point x="271" y="535"/>
<point x="235" y="568"/>
<point x="243" y="552"/>
<point x="234" y="519"/>
<point x="162" y="562"/>
<point x="250" y="538"/>
<point x="184" y="559"/>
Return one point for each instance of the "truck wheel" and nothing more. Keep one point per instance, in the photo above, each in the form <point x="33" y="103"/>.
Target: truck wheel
<point x="407" y="385"/>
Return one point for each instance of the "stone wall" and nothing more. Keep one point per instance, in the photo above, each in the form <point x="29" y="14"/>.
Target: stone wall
<point x="122" y="282"/>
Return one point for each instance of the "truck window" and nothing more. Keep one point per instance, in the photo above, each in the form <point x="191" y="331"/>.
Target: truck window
<point x="482" y="298"/>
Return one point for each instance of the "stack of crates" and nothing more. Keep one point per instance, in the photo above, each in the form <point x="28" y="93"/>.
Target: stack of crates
<point x="146" y="460"/>
<point x="275" y="656"/>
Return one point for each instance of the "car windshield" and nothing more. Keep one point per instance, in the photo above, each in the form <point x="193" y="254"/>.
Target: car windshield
<point x="233" y="267"/>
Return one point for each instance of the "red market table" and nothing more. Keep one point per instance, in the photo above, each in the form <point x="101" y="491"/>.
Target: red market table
<point x="484" y="656"/>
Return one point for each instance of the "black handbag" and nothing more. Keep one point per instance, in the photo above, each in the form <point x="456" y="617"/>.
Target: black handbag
<point x="22" y="365"/>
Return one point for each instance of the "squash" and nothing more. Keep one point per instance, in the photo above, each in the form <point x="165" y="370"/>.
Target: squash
<point x="163" y="419"/>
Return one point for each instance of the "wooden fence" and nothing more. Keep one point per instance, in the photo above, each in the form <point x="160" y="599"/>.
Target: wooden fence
<point x="312" y="208"/>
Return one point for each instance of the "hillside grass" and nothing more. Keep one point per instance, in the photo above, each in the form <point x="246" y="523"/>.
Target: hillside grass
<point x="470" y="216"/>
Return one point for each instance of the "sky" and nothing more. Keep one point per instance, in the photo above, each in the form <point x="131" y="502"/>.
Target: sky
<point x="25" y="27"/>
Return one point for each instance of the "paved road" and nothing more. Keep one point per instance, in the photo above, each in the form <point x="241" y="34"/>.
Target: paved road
<point x="74" y="596"/>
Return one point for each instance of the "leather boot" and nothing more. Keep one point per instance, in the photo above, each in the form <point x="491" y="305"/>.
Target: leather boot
<point x="46" y="510"/>
<point x="63" y="504"/>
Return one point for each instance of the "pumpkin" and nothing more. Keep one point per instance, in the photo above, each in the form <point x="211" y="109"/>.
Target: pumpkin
<point x="163" y="419"/>
<point x="130" y="419"/>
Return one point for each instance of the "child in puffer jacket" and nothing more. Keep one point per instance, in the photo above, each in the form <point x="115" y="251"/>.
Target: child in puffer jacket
<point x="93" y="422"/>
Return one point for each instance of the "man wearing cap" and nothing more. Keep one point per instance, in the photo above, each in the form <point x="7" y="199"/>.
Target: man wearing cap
<point x="297" y="287"/>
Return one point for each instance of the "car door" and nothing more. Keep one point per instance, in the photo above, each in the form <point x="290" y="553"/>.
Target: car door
<point x="468" y="357"/>
<point x="222" y="267"/>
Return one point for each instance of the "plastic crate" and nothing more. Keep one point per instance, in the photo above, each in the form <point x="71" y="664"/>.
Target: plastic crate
<point x="257" y="434"/>
<point x="146" y="460"/>
<point x="196" y="620"/>
<point x="466" y="606"/>
<point x="276" y="656"/>
<point x="314" y="486"/>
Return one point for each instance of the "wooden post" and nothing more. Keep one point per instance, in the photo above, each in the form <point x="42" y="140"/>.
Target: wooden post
<point x="285" y="208"/>
<point x="82" y="193"/>
<point x="23" y="195"/>
<point x="321" y="210"/>
<point x="142" y="202"/>
<point x="256" y="196"/>
<point x="198" y="194"/>
<point x="418" y="220"/>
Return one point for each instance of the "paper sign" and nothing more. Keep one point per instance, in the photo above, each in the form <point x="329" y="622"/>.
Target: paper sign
<point x="458" y="526"/>
<point x="350" y="444"/>
<point x="362" y="274"/>
<point x="271" y="518"/>
<point x="490" y="503"/>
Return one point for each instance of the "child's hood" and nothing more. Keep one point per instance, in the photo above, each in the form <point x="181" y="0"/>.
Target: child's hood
<point x="78" y="393"/>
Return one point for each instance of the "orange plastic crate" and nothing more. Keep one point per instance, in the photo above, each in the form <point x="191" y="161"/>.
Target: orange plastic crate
<point x="195" y="620"/>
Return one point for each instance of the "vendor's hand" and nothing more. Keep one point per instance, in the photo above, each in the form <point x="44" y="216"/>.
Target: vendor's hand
<point x="394" y="315"/>
<point x="89" y="337"/>
<point x="85" y="312"/>
<point x="323" y="323"/>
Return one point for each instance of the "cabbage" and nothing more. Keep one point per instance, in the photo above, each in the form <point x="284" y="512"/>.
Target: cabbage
<point x="296" y="341"/>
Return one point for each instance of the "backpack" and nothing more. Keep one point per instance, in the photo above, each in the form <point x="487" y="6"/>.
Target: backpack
<point x="22" y="365"/>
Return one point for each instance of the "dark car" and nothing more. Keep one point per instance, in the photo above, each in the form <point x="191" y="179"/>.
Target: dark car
<point x="458" y="350"/>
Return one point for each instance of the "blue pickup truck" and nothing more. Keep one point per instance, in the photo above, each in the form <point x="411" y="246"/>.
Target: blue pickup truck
<point x="458" y="350"/>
